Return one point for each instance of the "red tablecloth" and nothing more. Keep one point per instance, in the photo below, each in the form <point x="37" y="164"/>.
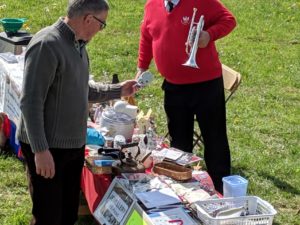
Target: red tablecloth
<point x="94" y="187"/>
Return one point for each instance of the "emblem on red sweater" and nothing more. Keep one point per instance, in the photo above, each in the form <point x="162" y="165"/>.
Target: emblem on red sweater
<point x="185" y="20"/>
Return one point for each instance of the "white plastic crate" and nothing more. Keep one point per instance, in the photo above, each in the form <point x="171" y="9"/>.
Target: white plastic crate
<point x="258" y="211"/>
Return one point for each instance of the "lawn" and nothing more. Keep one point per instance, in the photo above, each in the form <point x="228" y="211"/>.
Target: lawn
<point x="263" y="116"/>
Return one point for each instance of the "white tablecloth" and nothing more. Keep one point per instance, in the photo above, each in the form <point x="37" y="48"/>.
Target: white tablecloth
<point x="11" y="78"/>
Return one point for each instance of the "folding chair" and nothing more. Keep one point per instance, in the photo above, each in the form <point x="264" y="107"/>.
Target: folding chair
<point x="232" y="80"/>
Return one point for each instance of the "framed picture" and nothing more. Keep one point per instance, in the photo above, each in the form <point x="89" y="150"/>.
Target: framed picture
<point x="115" y="205"/>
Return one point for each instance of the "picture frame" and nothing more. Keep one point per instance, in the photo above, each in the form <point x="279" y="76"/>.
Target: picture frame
<point x="115" y="205"/>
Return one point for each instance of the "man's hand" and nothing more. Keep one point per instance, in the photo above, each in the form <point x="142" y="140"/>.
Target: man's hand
<point x="44" y="164"/>
<point x="203" y="39"/>
<point x="128" y="87"/>
<point x="139" y="72"/>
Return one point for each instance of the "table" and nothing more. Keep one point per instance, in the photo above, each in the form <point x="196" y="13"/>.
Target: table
<point x="94" y="187"/>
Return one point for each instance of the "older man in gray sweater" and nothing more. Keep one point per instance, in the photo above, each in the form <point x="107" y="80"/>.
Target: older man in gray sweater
<point x="54" y="106"/>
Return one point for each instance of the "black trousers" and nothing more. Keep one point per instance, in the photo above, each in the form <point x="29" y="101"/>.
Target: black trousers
<point x="206" y="101"/>
<point x="55" y="201"/>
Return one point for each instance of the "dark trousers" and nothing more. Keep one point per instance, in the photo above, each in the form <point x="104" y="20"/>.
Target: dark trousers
<point x="206" y="101"/>
<point x="55" y="201"/>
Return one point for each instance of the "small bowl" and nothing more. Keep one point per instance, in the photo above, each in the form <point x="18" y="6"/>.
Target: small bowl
<point x="12" y="25"/>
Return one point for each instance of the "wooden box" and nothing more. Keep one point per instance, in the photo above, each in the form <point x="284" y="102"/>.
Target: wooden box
<point x="89" y="161"/>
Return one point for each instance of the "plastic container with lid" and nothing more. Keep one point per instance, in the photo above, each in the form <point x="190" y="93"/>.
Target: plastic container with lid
<point x="117" y="123"/>
<point x="234" y="186"/>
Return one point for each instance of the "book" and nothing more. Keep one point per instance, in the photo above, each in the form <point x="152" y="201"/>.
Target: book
<point x="168" y="153"/>
<point x="161" y="197"/>
<point x="187" y="159"/>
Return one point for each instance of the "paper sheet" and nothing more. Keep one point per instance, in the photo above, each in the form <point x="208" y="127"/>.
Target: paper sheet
<point x="177" y="214"/>
<point x="158" y="198"/>
<point x="135" y="219"/>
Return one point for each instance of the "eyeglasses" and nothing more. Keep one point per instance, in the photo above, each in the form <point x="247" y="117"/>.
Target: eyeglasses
<point x="102" y="24"/>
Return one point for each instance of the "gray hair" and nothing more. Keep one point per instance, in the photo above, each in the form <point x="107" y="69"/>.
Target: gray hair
<point x="82" y="7"/>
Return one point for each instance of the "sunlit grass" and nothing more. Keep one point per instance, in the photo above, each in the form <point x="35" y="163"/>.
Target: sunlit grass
<point x="263" y="116"/>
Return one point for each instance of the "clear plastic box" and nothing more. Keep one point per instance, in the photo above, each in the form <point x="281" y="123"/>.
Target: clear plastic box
<point x="234" y="186"/>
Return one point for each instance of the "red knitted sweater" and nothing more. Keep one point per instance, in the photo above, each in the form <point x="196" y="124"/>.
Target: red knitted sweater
<point x="163" y="37"/>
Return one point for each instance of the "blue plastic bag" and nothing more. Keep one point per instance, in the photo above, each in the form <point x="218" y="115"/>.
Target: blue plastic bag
<point x="94" y="137"/>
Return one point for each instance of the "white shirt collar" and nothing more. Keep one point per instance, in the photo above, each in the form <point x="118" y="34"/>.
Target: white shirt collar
<point x="175" y="2"/>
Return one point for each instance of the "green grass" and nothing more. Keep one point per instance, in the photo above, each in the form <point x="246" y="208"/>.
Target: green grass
<point x="263" y="116"/>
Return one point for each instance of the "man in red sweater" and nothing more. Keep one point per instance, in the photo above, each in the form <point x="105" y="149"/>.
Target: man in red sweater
<point x="190" y="91"/>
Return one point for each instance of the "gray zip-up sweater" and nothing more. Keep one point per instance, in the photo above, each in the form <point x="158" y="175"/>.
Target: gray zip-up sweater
<point x="54" y="100"/>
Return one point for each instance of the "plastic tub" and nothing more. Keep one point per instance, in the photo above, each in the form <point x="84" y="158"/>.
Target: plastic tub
<point x="234" y="186"/>
<point x="117" y="123"/>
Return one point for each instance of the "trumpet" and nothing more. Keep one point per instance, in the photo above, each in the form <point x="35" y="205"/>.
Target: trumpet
<point x="191" y="62"/>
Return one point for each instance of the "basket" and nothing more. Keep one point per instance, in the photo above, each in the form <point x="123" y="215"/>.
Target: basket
<point x="258" y="211"/>
<point x="12" y="24"/>
<point x="172" y="170"/>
